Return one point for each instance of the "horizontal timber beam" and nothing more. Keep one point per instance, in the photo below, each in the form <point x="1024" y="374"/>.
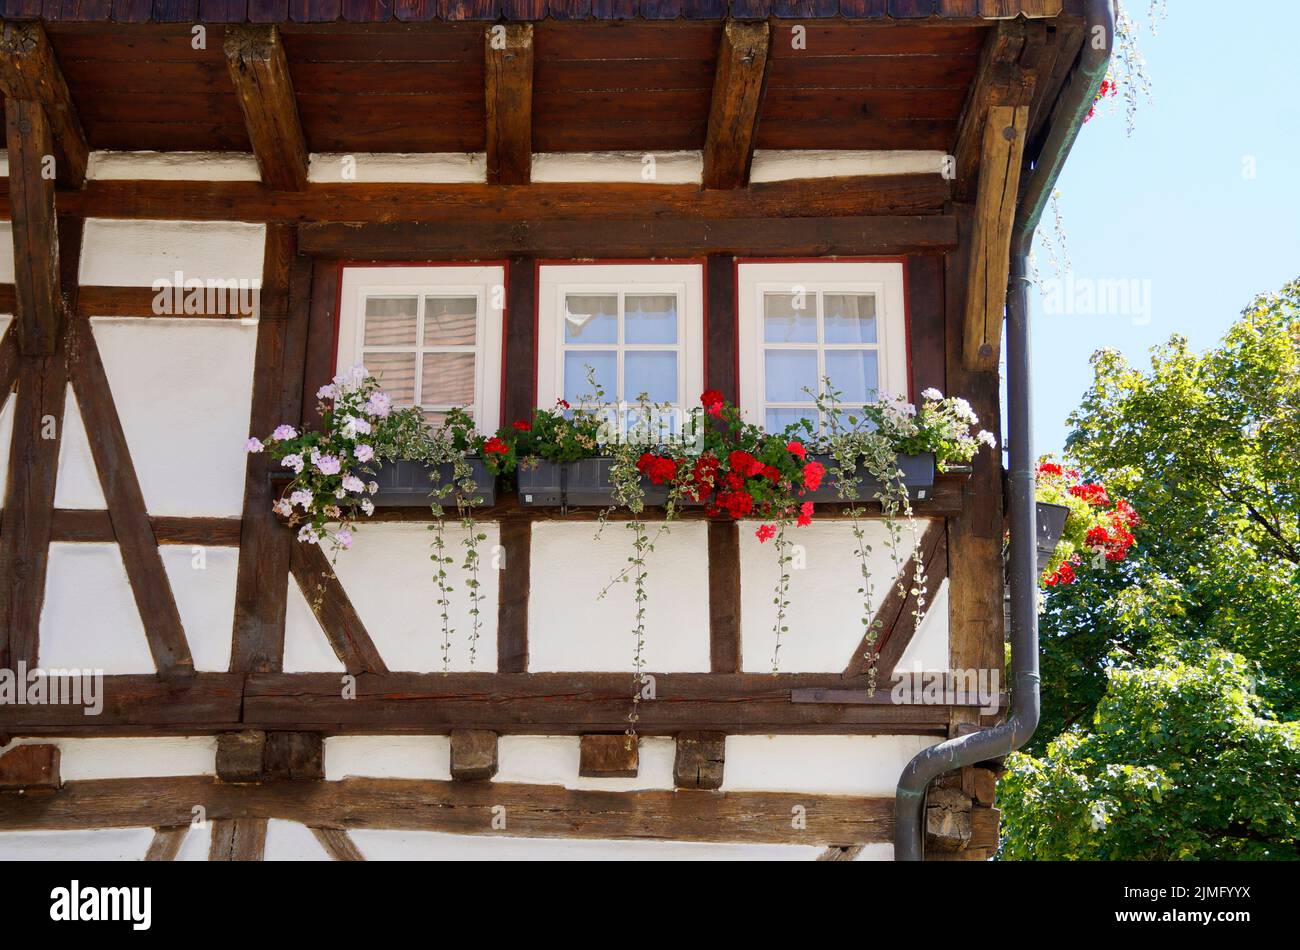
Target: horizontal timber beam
<point x="633" y="237"/>
<point x="505" y="703"/>
<point x="471" y="808"/>
<point x="468" y="203"/>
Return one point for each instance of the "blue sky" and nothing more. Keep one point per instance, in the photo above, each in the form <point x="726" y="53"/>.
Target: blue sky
<point x="1172" y="204"/>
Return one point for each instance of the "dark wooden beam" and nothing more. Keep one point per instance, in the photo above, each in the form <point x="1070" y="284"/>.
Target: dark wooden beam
<point x="29" y="768"/>
<point x="894" y="622"/>
<point x="241" y="756"/>
<point x="38" y="310"/>
<point x="26" y="523"/>
<point x="658" y="237"/>
<point x="126" y="507"/>
<point x="473" y="755"/>
<point x="506" y="703"/>
<point x="531" y="811"/>
<point x="514" y="580"/>
<point x="508" y="72"/>
<point x="457" y="204"/>
<point x="262" y="585"/>
<point x="721" y="346"/>
<point x="975" y="536"/>
<point x="995" y="210"/>
<point x="339" y="620"/>
<point x="238" y="839"/>
<point x="700" y="759"/>
<point x="737" y="95"/>
<point x="96" y="526"/>
<point x="337" y="843"/>
<point x="167" y="843"/>
<point x="1000" y="79"/>
<point x="295" y="755"/>
<point x="260" y="73"/>
<point x="318" y="357"/>
<point x="29" y="71"/>
<point x="608" y="756"/>
<point x="724" y="597"/>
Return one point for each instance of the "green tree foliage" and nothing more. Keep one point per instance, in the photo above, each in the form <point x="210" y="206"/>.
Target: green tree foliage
<point x="1180" y="763"/>
<point x="1207" y="448"/>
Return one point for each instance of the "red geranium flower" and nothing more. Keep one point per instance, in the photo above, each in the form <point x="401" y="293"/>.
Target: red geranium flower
<point x="657" y="468"/>
<point x="1093" y="494"/>
<point x="744" y="464"/>
<point x="1050" y="469"/>
<point x="1064" y="576"/>
<point x="772" y="473"/>
<point x="805" y="514"/>
<point x="765" y="533"/>
<point x="813" y="473"/>
<point x="797" y="450"/>
<point x="521" y="426"/>
<point x="712" y="401"/>
<point x="494" y="446"/>
<point x="1097" y="537"/>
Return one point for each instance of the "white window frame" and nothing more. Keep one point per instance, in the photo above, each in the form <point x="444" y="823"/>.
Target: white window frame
<point x="486" y="283"/>
<point x="883" y="279"/>
<point x="556" y="281"/>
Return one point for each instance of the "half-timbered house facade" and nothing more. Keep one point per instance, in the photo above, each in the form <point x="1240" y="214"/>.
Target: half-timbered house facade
<point x="214" y="207"/>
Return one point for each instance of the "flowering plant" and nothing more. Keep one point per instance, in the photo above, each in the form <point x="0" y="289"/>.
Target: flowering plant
<point x="333" y="466"/>
<point x="1097" y="527"/>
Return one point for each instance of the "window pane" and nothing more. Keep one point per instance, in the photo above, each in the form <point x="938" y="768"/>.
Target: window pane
<point x="448" y="379"/>
<point x="652" y="372"/>
<point x="650" y="318"/>
<point x="854" y="374"/>
<point x="576" y="363"/>
<point x="396" y="374"/>
<point x="590" y="319"/>
<point x="450" y="321"/>
<point x="787" y="373"/>
<point x="790" y="318"/>
<point x="850" y="318"/>
<point x="390" y="321"/>
<point x="778" y="419"/>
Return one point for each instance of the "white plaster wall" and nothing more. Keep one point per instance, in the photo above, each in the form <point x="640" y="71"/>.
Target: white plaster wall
<point x="203" y="581"/>
<point x="130" y="757"/>
<point x="6" y="436"/>
<point x="389" y="578"/>
<point x="136" y="253"/>
<point x="830" y="765"/>
<point x="553" y="760"/>
<point x="77" y="485"/>
<point x="425" y="757"/>
<point x="775" y="165"/>
<point x="183" y="389"/>
<point x="668" y="168"/>
<point x="929" y="647"/>
<point x="291" y="841"/>
<point x="6" y="253"/>
<point x="416" y="167"/>
<point x="379" y="845"/>
<point x="306" y="648"/>
<point x="173" y="166"/>
<point x="89" y="619"/>
<point x="569" y="629"/>
<point x="116" y="844"/>
<point x="826" y="610"/>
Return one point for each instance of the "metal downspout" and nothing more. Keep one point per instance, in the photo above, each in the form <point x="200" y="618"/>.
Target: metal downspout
<point x="1072" y="106"/>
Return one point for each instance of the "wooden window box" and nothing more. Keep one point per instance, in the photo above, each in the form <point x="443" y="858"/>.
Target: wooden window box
<point x="403" y="484"/>
<point x="918" y="476"/>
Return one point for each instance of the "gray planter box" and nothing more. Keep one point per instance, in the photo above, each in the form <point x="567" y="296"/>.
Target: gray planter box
<point x="1051" y="523"/>
<point x="404" y="484"/>
<point x="586" y="483"/>
<point x="918" y="476"/>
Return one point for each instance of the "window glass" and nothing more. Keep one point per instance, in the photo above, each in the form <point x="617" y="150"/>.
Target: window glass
<point x="790" y="318"/>
<point x="450" y="321"/>
<point x="590" y="319"/>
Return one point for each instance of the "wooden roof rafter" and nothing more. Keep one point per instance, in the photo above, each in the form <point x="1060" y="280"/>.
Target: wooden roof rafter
<point x="30" y="71"/>
<point x="260" y="72"/>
